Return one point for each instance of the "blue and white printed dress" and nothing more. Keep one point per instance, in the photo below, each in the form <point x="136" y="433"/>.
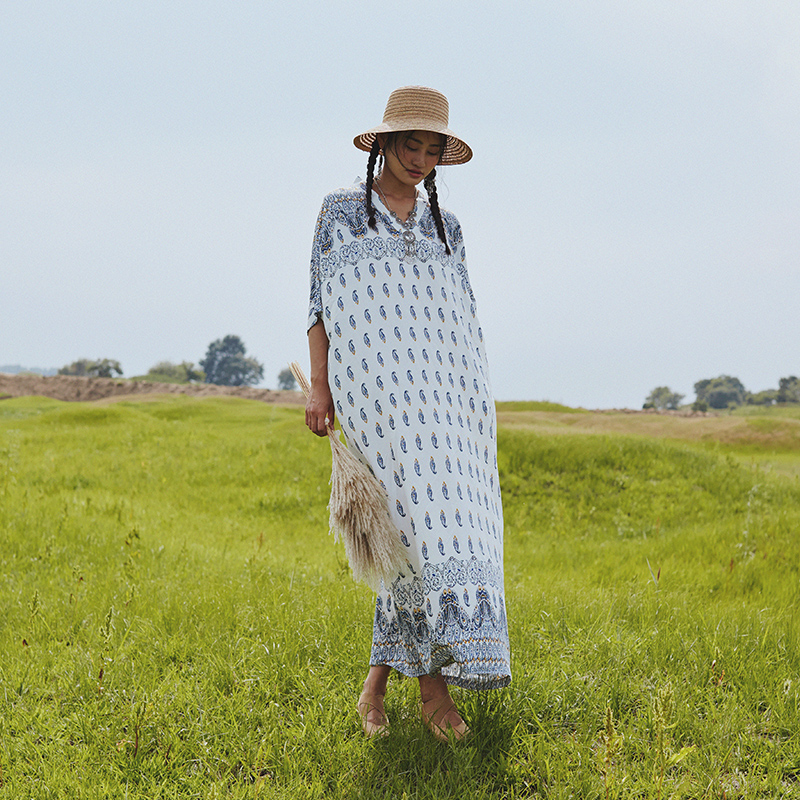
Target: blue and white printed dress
<point x="410" y="384"/>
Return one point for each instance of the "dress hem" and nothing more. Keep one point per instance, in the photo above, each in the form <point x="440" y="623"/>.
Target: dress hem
<point x="473" y="681"/>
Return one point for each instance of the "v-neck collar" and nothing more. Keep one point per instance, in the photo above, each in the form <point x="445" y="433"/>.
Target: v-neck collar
<point x="391" y="216"/>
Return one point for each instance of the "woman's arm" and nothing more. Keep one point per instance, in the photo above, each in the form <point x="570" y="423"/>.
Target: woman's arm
<point x="319" y="405"/>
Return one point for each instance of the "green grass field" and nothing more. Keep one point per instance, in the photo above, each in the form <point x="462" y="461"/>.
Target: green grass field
<point x="177" y="623"/>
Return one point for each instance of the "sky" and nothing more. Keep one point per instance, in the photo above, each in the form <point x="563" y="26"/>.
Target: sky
<point x="631" y="214"/>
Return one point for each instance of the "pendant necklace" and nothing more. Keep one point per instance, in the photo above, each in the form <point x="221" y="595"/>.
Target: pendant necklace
<point x="407" y="233"/>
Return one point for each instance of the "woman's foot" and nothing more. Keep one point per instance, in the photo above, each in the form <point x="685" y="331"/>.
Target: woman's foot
<point x="442" y="718"/>
<point x="373" y="716"/>
<point x="370" y="705"/>
<point x="438" y="710"/>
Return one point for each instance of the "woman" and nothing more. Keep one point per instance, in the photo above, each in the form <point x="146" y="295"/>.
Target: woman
<point x="397" y="353"/>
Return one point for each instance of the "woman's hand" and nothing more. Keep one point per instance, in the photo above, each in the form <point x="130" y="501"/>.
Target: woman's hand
<point x="319" y="409"/>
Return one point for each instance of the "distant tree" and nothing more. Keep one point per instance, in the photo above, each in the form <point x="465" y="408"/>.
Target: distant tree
<point x="167" y="372"/>
<point x="286" y="380"/>
<point x="101" y="368"/>
<point x="721" y="392"/>
<point x="663" y="397"/>
<point x="766" y="398"/>
<point x="227" y="365"/>
<point x="79" y="368"/>
<point x="789" y="390"/>
<point x="105" y="368"/>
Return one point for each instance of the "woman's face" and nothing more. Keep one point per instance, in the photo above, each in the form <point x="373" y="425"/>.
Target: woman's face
<point x="412" y="156"/>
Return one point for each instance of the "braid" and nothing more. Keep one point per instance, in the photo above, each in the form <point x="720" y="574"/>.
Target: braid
<point x="433" y="199"/>
<point x="373" y="155"/>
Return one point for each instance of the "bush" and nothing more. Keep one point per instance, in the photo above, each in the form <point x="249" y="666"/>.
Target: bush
<point x="101" y="368"/>
<point x="766" y="398"/>
<point x="167" y="372"/>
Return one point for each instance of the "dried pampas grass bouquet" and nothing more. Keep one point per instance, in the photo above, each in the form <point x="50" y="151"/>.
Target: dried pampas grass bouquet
<point x="359" y="514"/>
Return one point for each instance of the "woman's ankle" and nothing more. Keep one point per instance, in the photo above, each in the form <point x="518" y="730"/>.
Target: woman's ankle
<point x="433" y="688"/>
<point x="376" y="681"/>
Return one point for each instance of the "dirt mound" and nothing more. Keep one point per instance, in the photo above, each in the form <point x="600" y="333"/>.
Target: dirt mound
<point x="69" y="388"/>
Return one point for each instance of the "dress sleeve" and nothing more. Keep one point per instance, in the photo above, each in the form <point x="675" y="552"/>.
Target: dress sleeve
<point x="456" y="239"/>
<point x="323" y="236"/>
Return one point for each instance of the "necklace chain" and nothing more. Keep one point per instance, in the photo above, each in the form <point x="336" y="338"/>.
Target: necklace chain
<point x="409" y="239"/>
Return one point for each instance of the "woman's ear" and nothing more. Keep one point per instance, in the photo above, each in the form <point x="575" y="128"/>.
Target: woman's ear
<point x="381" y="137"/>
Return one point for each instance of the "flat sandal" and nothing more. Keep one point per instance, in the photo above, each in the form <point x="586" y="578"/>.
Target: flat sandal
<point x="366" y="704"/>
<point x="434" y="713"/>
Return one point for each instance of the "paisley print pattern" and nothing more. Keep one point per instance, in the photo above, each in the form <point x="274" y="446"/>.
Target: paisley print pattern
<point x="410" y="384"/>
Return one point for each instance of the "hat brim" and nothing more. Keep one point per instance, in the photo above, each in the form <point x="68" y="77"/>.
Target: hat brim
<point x="456" y="151"/>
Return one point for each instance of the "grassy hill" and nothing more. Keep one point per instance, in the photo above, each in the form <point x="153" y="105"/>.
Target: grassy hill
<point x="179" y="624"/>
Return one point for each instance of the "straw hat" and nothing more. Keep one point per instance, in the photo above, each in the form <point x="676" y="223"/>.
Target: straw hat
<point x="418" y="108"/>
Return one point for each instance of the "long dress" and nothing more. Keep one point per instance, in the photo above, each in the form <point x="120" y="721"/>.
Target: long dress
<point x="410" y="384"/>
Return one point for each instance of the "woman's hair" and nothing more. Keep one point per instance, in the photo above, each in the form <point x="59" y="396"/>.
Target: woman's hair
<point x="429" y="183"/>
<point x="433" y="199"/>
<point x="373" y="156"/>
